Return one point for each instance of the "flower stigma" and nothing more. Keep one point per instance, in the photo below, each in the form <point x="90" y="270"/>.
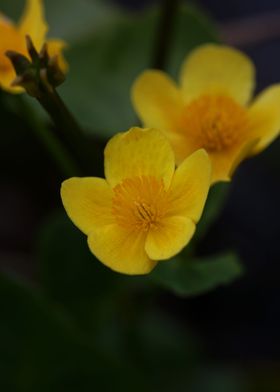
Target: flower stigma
<point x="215" y="122"/>
<point x="140" y="203"/>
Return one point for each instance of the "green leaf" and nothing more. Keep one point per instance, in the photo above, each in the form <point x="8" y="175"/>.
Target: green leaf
<point x="62" y="17"/>
<point x="166" y="349"/>
<point x="197" y="276"/>
<point x="104" y="66"/>
<point x="113" y="311"/>
<point x="107" y="51"/>
<point x="192" y="28"/>
<point x="40" y="350"/>
<point x="71" y="276"/>
<point x="219" y="378"/>
<point x="92" y="16"/>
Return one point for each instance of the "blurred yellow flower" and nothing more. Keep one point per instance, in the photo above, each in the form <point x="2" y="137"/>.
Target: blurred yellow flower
<point x="210" y="108"/>
<point x="32" y="23"/>
<point x="145" y="210"/>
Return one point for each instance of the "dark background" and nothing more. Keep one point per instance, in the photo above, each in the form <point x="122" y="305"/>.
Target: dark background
<point x="239" y="323"/>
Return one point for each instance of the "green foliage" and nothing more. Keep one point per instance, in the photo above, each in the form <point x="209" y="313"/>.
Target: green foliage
<point x="70" y="273"/>
<point x="90" y="327"/>
<point x="197" y="276"/>
<point x="40" y="349"/>
<point x="104" y="66"/>
<point x="62" y="17"/>
<point x="107" y="51"/>
<point x="117" y="314"/>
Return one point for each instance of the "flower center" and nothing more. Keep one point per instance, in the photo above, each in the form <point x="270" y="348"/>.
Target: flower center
<point x="10" y="40"/>
<point x="214" y="122"/>
<point x="139" y="203"/>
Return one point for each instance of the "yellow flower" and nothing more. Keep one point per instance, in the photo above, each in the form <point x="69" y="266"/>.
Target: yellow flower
<point x="145" y="210"/>
<point x="32" y="23"/>
<point x="210" y="108"/>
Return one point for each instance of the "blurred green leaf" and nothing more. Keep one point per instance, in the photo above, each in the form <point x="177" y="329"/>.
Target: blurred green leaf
<point x="75" y="20"/>
<point x="219" y="378"/>
<point x="213" y="208"/>
<point x="197" y="276"/>
<point x="71" y="20"/>
<point x="104" y="66"/>
<point x="40" y="350"/>
<point x="166" y="350"/>
<point x="114" y="312"/>
<point x="107" y="50"/>
<point x="72" y="277"/>
<point x="192" y="27"/>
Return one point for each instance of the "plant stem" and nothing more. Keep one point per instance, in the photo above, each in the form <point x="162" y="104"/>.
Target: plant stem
<point x="59" y="113"/>
<point x="39" y="75"/>
<point x="52" y="144"/>
<point x="164" y="33"/>
<point x="68" y="128"/>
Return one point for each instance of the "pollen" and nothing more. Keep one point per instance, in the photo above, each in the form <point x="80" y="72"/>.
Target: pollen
<point x="139" y="203"/>
<point x="214" y="122"/>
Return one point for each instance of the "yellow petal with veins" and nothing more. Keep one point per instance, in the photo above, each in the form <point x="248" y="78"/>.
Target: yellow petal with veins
<point x="216" y="69"/>
<point x="189" y="188"/>
<point x="173" y="234"/>
<point x="157" y="100"/>
<point x="121" y="250"/>
<point x="88" y="202"/>
<point x="139" y="152"/>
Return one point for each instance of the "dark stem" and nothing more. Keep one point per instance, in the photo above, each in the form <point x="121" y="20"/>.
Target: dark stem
<point x="164" y="33"/>
<point x="49" y="140"/>
<point x="67" y="128"/>
<point x="59" y="113"/>
<point x="39" y="75"/>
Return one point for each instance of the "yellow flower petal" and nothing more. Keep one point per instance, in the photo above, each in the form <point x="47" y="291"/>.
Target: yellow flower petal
<point x="139" y="152"/>
<point x="157" y="100"/>
<point x="224" y="163"/>
<point x="190" y="186"/>
<point x="264" y="117"/>
<point x="121" y="250"/>
<point x="88" y="202"/>
<point x="55" y="48"/>
<point x="246" y="150"/>
<point x="6" y="78"/>
<point x="33" y="22"/>
<point x="170" y="238"/>
<point x="216" y="69"/>
<point x="10" y="40"/>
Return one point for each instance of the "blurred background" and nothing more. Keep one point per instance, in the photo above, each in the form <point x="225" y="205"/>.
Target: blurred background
<point x="69" y="324"/>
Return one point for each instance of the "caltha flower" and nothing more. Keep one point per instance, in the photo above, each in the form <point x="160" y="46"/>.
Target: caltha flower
<point x="211" y="108"/>
<point x="145" y="210"/>
<point x="12" y="35"/>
